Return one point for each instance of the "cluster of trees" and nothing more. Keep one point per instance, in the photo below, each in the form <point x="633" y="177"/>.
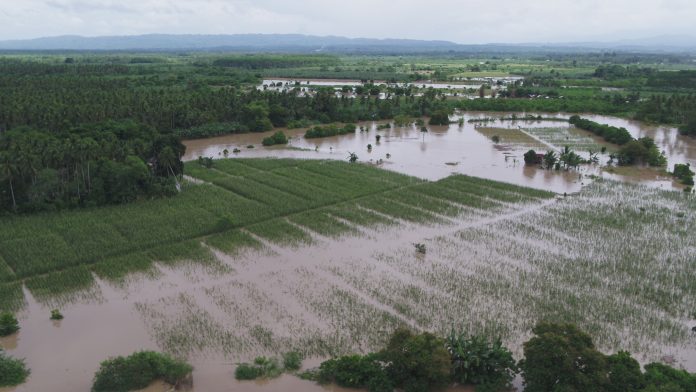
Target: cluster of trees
<point x="683" y="79"/>
<point x="567" y="159"/>
<point x="60" y="96"/>
<point x="606" y="104"/>
<point x="611" y="134"/>
<point x="684" y="173"/>
<point x="670" y="109"/>
<point x="632" y="151"/>
<point x="277" y="138"/>
<point x="439" y="117"/>
<point x="107" y="163"/>
<point x="559" y="357"/>
<point x="271" y="61"/>
<point x="138" y="371"/>
<point x="614" y="71"/>
<point x="329" y="130"/>
<point x="641" y="151"/>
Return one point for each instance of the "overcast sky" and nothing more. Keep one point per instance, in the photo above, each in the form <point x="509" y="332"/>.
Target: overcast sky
<point x="463" y="21"/>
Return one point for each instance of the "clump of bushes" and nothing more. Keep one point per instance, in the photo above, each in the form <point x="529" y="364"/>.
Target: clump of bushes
<point x="206" y="162"/>
<point x="8" y="324"/>
<point x="292" y="361"/>
<point x="264" y="367"/>
<point x="561" y="357"/>
<point x="477" y="361"/>
<point x="439" y="117"/>
<point x="139" y="370"/>
<point x="683" y="173"/>
<point x="532" y="158"/>
<point x="277" y="138"/>
<point x="641" y="151"/>
<point x="402" y="120"/>
<point x="410" y="362"/>
<point x="329" y="130"/>
<point x="12" y="371"/>
<point x="56" y="314"/>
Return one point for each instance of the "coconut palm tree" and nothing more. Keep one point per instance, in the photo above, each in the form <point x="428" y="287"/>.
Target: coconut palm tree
<point x="8" y="171"/>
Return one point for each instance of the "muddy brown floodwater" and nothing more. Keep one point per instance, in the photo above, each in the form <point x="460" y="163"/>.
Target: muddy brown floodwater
<point x="64" y="356"/>
<point x="293" y="290"/>
<point x="445" y="150"/>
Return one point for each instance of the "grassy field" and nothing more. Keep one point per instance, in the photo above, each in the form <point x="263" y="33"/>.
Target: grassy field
<point x="242" y="203"/>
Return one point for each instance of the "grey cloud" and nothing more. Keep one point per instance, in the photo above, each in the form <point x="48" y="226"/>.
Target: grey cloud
<point x="464" y="21"/>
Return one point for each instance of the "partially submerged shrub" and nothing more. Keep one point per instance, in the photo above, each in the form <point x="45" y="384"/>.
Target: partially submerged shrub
<point x="416" y="362"/>
<point x="532" y="158"/>
<point x="277" y="138"/>
<point x="139" y="370"/>
<point x="262" y="367"/>
<point x="356" y="371"/>
<point x="56" y="314"/>
<point x="245" y="371"/>
<point x="292" y="361"/>
<point x="8" y="324"/>
<point x="12" y="371"/>
<point x="478" y="361"/>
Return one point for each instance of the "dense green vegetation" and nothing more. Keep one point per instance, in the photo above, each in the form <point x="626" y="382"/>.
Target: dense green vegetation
<point x="632" y="151"/>
<point x="329" y="130"/>
<point x="109" y="163"/>
<point x="684" y="173"/>
<point x="560" y="357"/>
<point x="138" y="371"/>
<point x="266" y="368"/>
<point x="268" y="61"/>
<point x="8" y="324"/>
<point x="277" y="138"/>
<point x="410" y="362"/>
<point x="611" y="134"/>
<point x="12" y="371"/>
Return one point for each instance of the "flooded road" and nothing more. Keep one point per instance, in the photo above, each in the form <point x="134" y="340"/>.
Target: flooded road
<point x="466" y="149"/>
<point x="280" y="84"/>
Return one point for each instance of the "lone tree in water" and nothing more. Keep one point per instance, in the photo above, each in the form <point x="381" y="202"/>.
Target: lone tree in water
<point x="8" y="324"/>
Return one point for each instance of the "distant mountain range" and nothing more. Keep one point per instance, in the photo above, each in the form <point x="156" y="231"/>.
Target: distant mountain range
<point x="331" y="44"/>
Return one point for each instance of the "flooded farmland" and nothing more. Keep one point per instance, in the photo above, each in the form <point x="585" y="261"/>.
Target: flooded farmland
<point x="468" y="149"/>
<point x="499" y="258"/>
<point x="495" y="265"/>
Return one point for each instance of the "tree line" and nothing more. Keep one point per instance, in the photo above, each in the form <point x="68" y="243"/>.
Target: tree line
<point x="558" y="357"/>
<point x="108" y="163"/>
<point x="168" y="103"/>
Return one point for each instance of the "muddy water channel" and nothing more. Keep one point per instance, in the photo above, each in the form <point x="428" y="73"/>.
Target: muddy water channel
<point x="468" y="149"/>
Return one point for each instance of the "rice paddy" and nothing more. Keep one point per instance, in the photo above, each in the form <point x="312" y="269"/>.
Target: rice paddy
<point x="274" y="255"/>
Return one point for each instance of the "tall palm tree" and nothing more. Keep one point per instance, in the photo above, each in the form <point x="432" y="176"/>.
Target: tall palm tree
<point x="8" y="171"/>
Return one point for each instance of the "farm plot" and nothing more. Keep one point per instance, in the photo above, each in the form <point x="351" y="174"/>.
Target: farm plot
<point x="241" y="204"/>
<point x="564" y="136"/>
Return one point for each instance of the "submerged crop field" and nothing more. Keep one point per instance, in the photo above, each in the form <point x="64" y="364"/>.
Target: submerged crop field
<point x="261" y="256"/>
<point x="276" y="200"/>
